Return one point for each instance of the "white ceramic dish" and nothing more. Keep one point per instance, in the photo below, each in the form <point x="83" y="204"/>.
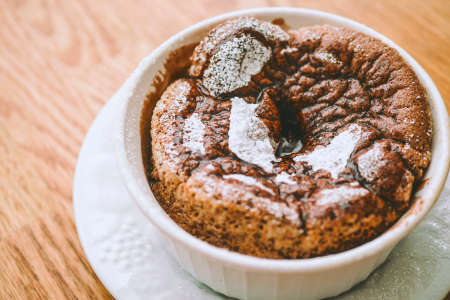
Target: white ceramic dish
<point x="132" y="260"/>
<point x="248" y="277"/>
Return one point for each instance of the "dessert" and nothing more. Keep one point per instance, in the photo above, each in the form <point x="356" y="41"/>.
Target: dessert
<point x="289" y="144"/>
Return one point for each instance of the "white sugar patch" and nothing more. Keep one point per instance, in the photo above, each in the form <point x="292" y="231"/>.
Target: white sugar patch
<point x="268" y="30"/>
<point x="333" y="157"/>
<point x="328" y="57"/>
<point x="278" y="209"/>
<point x="310" y="35"/>
<point x="284" y="177"/>
<point x="193" y="134"/>
<point x="368" y="162"/>
<point x="288" y="50"/>
<point x="342" y="193"/>
<point x="181" y="91"/>
<point x="229" y="190"/>
<point x="233" y="65"/>
<point x="180" y="97"/>
<point x="248" y="136"/>
<point x="248" y="181"/>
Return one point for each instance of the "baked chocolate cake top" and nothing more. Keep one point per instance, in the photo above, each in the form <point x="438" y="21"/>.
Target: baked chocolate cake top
<point x="306" y="126"/>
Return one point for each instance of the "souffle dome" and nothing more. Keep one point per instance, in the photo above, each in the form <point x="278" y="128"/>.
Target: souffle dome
<point x="289" y="143"/>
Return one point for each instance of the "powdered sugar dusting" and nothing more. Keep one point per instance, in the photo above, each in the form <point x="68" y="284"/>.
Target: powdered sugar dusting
<point x="277" y="209"/>
<point x="342" y="193"/>
<point x="248" y="136"/>
<point x="180" y="97"/>
<point x="368" y="162"/>
<point x="173" y="100"/>
<point x="288" y="50"/>
<point x="233" y="65"/>
<point x="180" y="92"/>
<point x="249" y="181"/>
<point x="228" y="190"/>
<point x="333" y="157"/>
<point x="268" y="30"/>
<point x="327" y="57"/>
<point x="193" y="133"/>
<point x="284" y="177"/>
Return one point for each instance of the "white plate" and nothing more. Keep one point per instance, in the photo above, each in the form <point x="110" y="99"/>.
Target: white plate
<point x="133" y="262"/>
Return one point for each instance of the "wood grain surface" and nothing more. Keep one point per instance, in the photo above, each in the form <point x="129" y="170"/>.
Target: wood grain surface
<point x="60" y="61"/>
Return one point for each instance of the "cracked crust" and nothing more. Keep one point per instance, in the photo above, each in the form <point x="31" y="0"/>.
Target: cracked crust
<point x="320" y="83"/>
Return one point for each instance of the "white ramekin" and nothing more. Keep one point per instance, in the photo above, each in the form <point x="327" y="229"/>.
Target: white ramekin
<point x="247" y="277"/>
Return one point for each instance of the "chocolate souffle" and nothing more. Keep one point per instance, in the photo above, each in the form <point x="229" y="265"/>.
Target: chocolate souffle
<point x="288" y="143"/>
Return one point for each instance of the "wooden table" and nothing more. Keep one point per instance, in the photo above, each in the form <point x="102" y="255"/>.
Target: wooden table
<point x="60" y="61"/>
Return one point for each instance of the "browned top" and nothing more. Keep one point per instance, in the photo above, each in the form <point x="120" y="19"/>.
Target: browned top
<point x="325" y="86"/>
<point x="331" y="78"/>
